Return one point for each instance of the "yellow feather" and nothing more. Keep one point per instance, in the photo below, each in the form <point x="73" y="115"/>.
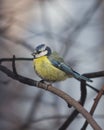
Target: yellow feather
<point x="47" y="71"/>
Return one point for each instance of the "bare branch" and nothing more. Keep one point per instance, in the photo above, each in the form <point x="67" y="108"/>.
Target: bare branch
<point x="11" y="59"/>
<point x="55" y="91"/>
<point x="74" y="114"/>
<point x="94" y="106"/>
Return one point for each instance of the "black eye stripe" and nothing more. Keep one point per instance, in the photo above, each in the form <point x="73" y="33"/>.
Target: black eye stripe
<point x="45" y="50"/>
<point x="38" y="52"/>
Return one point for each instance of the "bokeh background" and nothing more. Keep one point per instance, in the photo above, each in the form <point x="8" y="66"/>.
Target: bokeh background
<point x="73" y="28"/>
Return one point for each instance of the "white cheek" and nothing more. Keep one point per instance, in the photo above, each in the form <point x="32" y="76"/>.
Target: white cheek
<point x="41" y="54"/>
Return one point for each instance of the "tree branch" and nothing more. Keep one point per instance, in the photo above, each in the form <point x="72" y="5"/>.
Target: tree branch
<point x="74" y="114"/>
<point x="99" y="95"/>
<point x="60" y="93"/>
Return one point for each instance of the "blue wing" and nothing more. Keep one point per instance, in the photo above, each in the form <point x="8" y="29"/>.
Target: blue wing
<point x="68" y="70"/>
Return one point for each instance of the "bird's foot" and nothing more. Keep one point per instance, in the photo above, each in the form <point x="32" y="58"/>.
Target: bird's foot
<point x="47" y="84"/>
<point x="69" y="105"/>
<point x="42" y="81"/>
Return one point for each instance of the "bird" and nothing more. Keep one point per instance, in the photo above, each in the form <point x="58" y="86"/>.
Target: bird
<point x="50" y="67"/>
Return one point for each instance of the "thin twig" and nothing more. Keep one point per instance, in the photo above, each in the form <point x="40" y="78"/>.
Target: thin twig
<point x="95" y="74"/>
<point x="94" y="106"/>
<point x="11" y="59"/>
<point x="74" y="114"/>
<point x="13" y="65"/>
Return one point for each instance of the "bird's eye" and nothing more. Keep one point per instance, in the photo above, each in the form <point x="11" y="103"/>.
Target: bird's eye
<point x="38" y="51"/>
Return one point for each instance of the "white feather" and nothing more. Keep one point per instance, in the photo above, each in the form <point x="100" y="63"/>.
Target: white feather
<point x="43" y="53"/>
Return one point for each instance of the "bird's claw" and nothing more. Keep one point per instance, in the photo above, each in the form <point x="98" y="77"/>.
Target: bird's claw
<point x="47" y="84"/>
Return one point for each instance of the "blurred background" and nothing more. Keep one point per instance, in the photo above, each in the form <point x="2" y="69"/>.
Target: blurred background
<point x="73" y="28"/>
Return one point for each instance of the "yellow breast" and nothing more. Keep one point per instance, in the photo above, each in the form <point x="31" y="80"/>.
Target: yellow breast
<point x="47" y="71"/>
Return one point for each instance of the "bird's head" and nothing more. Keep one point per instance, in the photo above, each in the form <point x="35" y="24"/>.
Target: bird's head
<point x="41" y="50"/>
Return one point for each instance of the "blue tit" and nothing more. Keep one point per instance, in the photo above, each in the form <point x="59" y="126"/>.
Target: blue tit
<point x="50" y="67"/>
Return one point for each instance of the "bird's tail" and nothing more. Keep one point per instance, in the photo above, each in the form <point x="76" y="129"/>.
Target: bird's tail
<point x="80" y="77"/>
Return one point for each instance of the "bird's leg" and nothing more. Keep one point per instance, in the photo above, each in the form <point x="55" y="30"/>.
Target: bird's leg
<point x="48" y="84"/>
<point x="42" y="81"/>
<point x="69" y="105"/>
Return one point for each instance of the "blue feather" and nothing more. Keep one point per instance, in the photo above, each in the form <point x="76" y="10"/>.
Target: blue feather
<point x="68" y="70"/>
